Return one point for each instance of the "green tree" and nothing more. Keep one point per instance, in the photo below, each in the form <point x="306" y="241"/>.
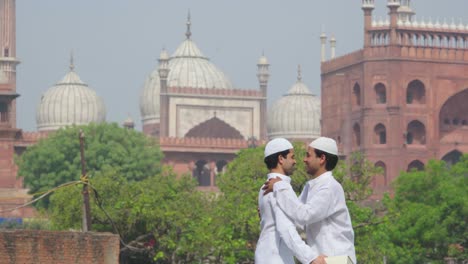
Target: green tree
<point x="162" y="219"/>
<point x="429" y="213"/>
<point x="56" y="159"/>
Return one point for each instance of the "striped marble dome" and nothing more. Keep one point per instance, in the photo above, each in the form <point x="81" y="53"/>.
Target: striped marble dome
<point x="188" y="67"/>
<point x="69" y="102"/>
<point x="296" y="115"/>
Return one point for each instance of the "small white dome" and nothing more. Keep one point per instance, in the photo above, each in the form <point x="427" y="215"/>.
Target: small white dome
<point x="164" y="55"/>
<point x="296" y="115"/>
<point x="149" y="99"/>
<point x="263" y="60"/>
<point x="69" y="102"/>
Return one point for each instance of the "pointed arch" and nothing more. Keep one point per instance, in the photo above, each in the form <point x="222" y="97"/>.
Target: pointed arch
<point x="415" y="165"/>
<point x="416" y="133"/>
<point x="454" y="112"/>
<point x="202" y="173"/>
<point x="214" y="128"/>
<point x="416" y="93"/>
<point x="380" y="134"/>
<point x="452" y="157"/>
<point x="380" y="180"/>
<point x="356" y="135"/>
<point x="221" y="166"/>
<point x="356" y="95"/>
<point x="380" y="93"/>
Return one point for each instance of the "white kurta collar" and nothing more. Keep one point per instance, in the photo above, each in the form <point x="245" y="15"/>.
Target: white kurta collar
<point x="283" y="177"/>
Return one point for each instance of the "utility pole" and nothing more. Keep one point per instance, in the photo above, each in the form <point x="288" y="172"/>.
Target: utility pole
<point x="85" y="192"/>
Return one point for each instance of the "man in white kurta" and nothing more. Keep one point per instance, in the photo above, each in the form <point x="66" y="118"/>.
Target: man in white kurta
<point x="321" y="207"/>
<point x="279" y="240"/>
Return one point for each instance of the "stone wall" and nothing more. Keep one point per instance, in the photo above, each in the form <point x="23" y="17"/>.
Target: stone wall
<point x="31" y="246"/>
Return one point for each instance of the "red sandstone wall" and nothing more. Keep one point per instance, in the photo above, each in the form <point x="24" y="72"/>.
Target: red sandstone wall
<point x="30" y="246"/>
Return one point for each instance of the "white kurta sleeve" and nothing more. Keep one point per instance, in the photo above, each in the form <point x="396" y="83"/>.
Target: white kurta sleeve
<point x="288" y="233"/>
<point x="316" y="209"/>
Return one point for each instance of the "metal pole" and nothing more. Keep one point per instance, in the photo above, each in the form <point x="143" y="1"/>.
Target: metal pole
<point x="85" y="192"/>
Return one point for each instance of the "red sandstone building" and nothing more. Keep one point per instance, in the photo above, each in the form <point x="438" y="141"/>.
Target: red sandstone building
<point x="402" y="99"/>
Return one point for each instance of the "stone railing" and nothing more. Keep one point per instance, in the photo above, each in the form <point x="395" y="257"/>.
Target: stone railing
<point x="214" y="92"/>
<point x="214" y="143"/>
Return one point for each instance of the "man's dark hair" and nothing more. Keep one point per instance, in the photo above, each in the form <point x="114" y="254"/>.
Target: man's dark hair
<point x="272" y="160"/>
<point x="330" y="159"/>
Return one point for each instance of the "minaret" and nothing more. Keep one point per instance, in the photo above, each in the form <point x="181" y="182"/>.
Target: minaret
<point x="8" y="62"/>
<point x="393" y="6"/>
<point x="405" y="13"/>
<point x="332" y="47"/>
<point x="367" y="6"/>
<point x="323" y="43"/>
<point x="263" y="74"/>
<point x="299" y="73"/>
<point x="164" y="98"/>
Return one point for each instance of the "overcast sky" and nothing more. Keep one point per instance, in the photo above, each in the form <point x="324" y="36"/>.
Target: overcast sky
<point x="116" y="43"/>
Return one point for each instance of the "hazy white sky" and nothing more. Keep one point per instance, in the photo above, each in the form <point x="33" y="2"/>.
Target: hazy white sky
<point x="117" y="42"/>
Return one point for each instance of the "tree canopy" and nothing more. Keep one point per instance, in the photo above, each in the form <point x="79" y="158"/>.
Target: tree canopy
<point x="162" y="218"/>
<point x="56" y="159"/>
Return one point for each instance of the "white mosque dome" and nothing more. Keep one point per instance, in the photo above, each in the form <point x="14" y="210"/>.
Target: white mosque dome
<point x="188" y="67"/>
<point x="296" y="115"/>
<point x="149" y="99"/>
<point x="69" y="102"/>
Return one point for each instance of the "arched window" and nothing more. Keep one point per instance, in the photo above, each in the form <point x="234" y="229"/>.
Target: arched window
<point x="220" y="168"/>
<point x="416" y="93"/>
<point x="202" y="173"/>
<point x="452" y="157"/>
<point x="3" y="112"/>
<point x="380" y="180"/>
<point x="453" y="113"/>
<point x="356" y="95"/>
<point x="380" y="134"/>
<point x="356" y="135"/>
<point x="380" y="93"/>
<point x="416" y="133"/>
<point x="415" y="165"/>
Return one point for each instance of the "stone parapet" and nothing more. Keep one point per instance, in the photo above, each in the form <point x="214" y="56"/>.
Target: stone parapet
<point x="220" y="145"/>
<point x="215" y="92"/>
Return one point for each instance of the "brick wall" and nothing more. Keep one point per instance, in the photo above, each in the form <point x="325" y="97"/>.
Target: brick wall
<point x="31" y="246"/>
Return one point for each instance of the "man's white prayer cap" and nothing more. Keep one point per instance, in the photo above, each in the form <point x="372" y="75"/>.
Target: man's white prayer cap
<point x="277" y="145"/>
<point x="325" y="144"/>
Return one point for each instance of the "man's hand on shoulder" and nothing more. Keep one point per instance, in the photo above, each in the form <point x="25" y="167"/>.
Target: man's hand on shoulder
<point x="319" y="260"/>
<point x="268" y="185"/>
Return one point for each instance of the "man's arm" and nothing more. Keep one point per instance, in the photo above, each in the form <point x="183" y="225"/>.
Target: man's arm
<point x="316" y="209"/>
<point x="288" y="233"/>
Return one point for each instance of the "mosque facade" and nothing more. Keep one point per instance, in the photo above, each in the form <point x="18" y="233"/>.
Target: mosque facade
<point x="401" y="99"/>
<point x="187" y="103"/>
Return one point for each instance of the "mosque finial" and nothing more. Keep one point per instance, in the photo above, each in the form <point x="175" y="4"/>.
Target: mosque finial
<point x="299" y="74"/>
<point x="188" y="33"/>
<point x="72" y="65"/>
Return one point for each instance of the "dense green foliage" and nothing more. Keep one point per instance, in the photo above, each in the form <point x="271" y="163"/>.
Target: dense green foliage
<point x="163" y="219"/>
<point x="429" y="214"/>
<point x="56" y="159"/>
